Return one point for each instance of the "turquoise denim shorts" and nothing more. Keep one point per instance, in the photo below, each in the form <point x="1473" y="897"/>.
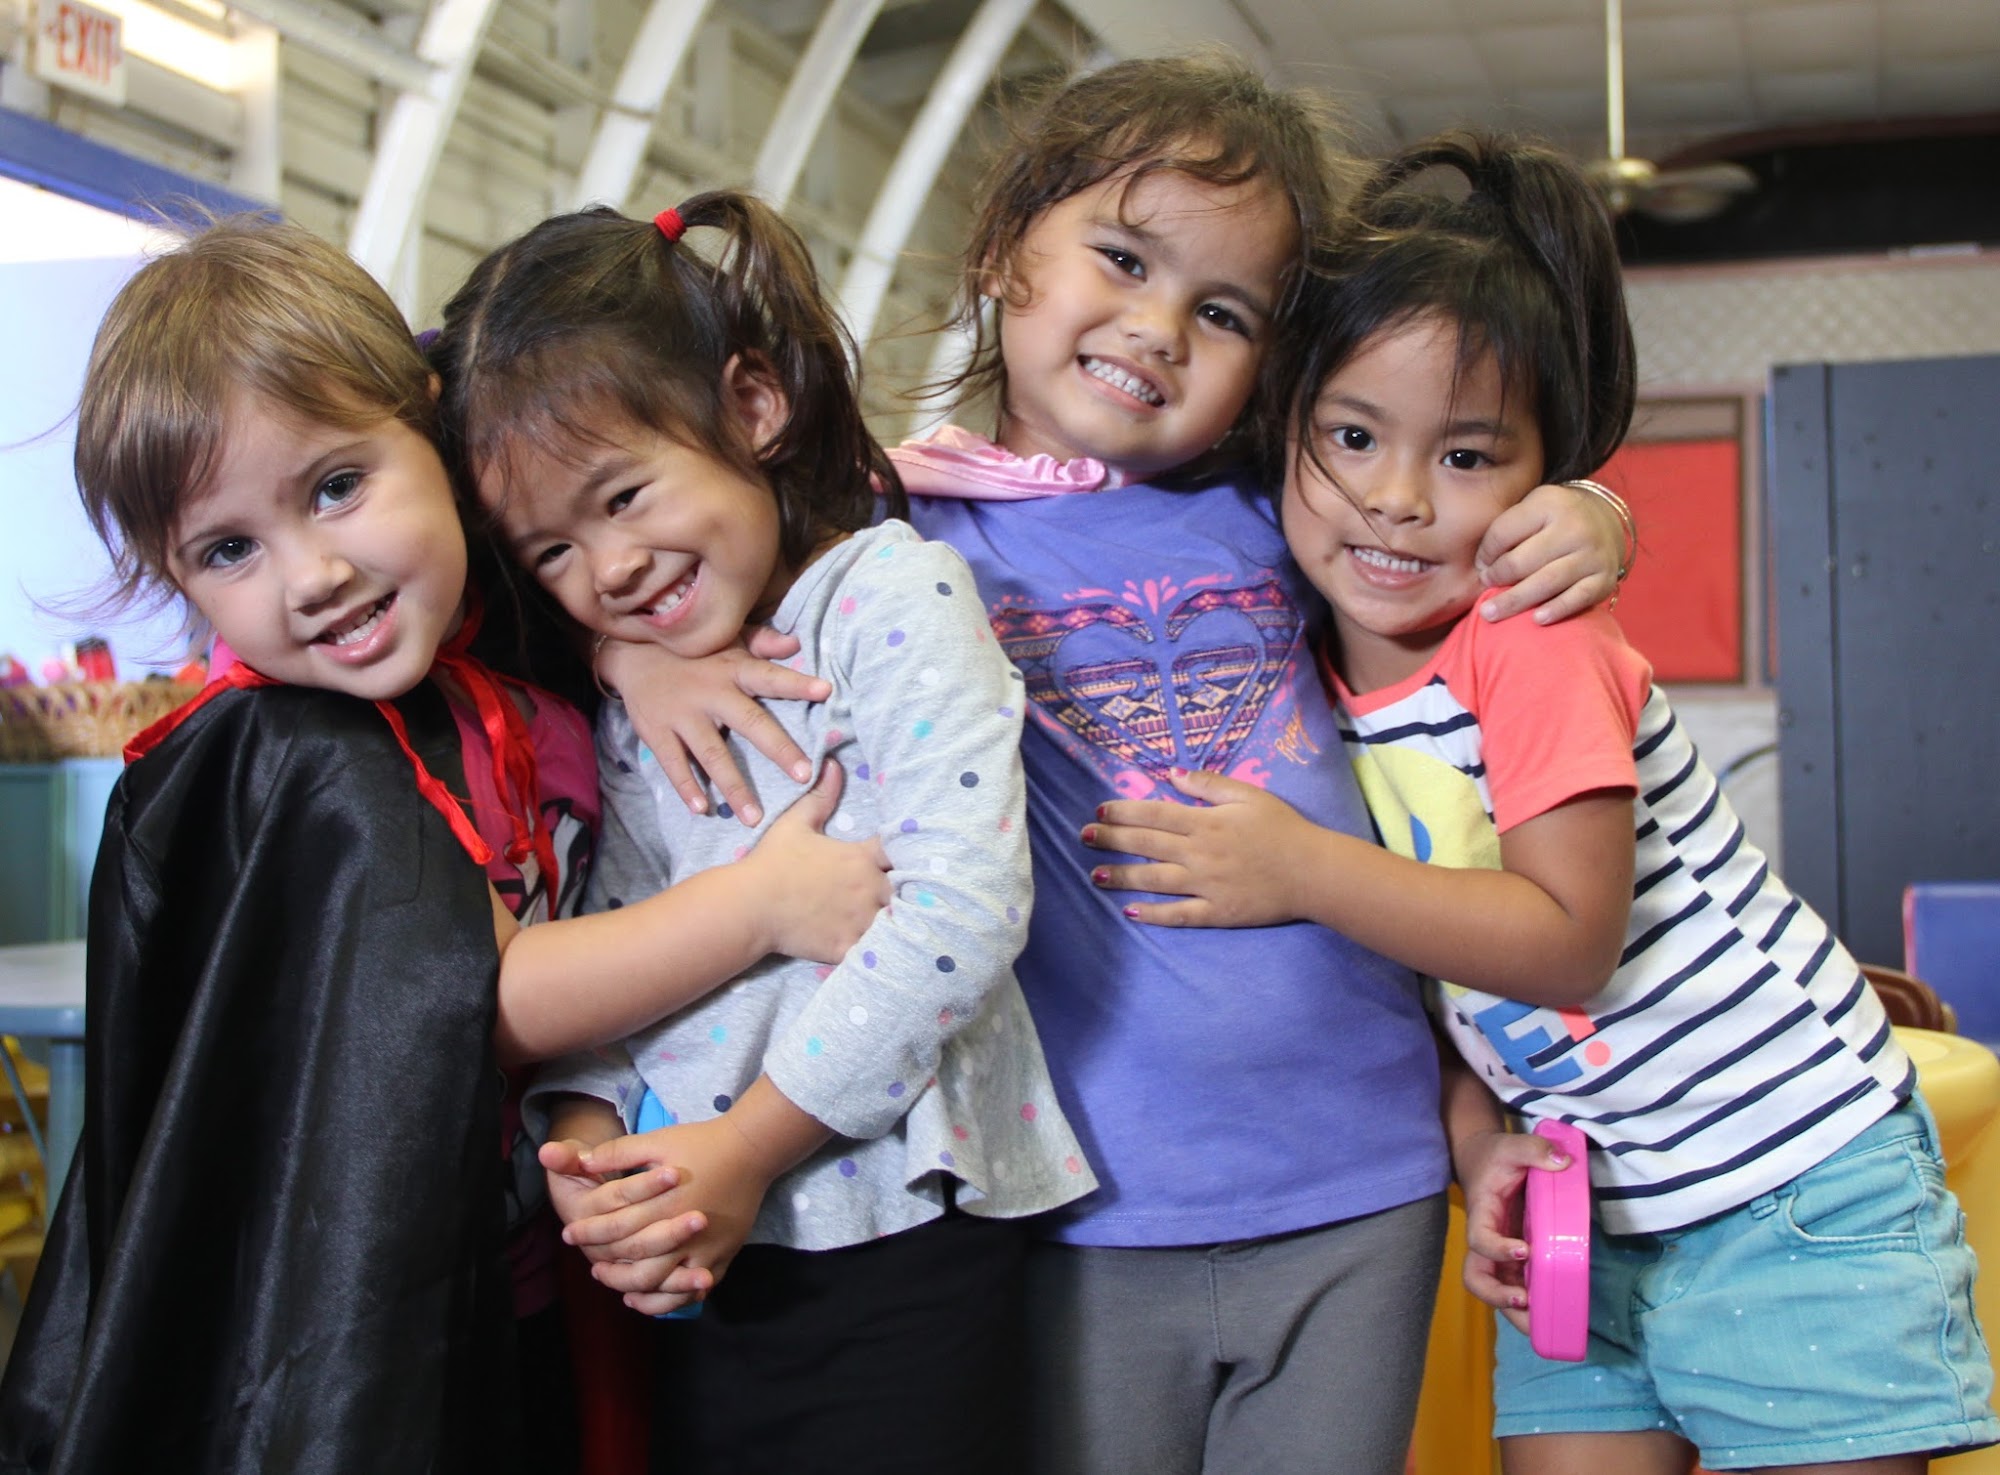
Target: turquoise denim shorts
<point x="1828" y="1320"/>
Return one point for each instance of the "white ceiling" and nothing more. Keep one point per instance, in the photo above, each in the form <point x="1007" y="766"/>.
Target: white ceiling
<point x="1695" y="69"/>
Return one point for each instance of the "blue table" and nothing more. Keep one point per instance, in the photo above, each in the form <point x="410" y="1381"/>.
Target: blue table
<point x="41" y="997"/>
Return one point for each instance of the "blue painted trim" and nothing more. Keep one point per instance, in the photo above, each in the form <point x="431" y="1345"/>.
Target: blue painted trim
<point x="42" y="154"/>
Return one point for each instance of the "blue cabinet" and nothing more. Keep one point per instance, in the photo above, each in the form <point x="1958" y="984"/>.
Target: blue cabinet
<point x="51" y="815"/>
<point x="1885" y="540"/>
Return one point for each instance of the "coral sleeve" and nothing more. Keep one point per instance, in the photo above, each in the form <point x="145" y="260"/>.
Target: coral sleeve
<point x="1558" y="707"/>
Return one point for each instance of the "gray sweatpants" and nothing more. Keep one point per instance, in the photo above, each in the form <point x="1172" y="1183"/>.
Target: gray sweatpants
<point x="1301" y="1353"/>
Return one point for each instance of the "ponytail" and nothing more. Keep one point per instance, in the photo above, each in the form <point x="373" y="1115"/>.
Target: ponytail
<point x="593" y="318"/>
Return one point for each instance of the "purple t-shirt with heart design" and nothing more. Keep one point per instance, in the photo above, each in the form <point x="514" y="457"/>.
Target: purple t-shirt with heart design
<point x="1226" y="1084"/>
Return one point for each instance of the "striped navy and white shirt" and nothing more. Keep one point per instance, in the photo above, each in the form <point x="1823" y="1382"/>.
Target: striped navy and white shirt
<point x="1737" y="1044"/>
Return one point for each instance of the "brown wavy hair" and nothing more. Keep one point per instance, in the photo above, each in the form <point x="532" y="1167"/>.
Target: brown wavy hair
<point x="247" y="305"/>
<point x="1206" y="114"/>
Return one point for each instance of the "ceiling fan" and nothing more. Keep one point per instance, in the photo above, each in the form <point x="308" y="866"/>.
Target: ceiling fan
<point x="1674" y="195"/>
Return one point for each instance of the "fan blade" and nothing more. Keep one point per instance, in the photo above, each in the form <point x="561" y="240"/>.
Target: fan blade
<point x="1696" y="192"/>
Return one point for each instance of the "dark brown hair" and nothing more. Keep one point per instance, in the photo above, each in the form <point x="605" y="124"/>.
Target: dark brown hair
<point x="593" y="322"/>
<point x="249" y="305"/>
<point x="1205" y="114"/>
<point x="1521" y="258"/>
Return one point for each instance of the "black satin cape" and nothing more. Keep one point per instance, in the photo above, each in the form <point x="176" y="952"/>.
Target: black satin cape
<point x="280" y="1247"/>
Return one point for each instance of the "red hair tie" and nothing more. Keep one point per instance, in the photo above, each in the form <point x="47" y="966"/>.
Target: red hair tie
<point x="671" y="225"/>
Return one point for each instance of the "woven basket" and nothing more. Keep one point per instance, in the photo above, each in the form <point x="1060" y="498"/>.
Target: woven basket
<point x="81" y="719"/>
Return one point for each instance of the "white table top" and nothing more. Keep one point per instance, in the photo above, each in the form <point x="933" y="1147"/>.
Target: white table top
<point x="41" y="989"/>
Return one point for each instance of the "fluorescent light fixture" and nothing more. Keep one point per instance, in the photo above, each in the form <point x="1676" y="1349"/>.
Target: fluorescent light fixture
<point x="179" y="45"/>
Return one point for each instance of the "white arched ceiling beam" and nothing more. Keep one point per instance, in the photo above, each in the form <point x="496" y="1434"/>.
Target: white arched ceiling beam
<point x="810" y="93"/>
<point x="258" y="169"/>
<point x="958" y="88"/>
<point x="408" y="145"/>
<point x="619" y="146"/>
<point x="350" y="40"/>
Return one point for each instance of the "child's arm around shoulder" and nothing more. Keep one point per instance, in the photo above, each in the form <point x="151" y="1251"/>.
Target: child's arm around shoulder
<point x="1547" y="928"/>
<point x="647" y="947"/>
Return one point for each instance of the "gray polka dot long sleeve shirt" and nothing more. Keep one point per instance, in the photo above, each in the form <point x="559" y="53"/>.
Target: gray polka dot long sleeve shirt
<point x="917" y="1048"/>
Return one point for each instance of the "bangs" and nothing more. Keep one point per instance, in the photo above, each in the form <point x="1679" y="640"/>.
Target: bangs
<point x="531" y="409"/>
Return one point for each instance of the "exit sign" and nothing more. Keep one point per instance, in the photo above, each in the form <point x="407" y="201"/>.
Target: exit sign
<point x="82" y="48"/>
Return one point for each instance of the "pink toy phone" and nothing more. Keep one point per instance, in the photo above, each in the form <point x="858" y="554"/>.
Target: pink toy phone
<point x="1556" y="1223"/>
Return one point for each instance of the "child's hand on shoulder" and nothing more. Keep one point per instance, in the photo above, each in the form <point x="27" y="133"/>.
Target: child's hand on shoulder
<point x="1492" y="1170"/>
<point x="1234" y="857"/>
<point x="1562" y="549"/>
<point x="682" y="708"/>
<point x="817" y="894"/>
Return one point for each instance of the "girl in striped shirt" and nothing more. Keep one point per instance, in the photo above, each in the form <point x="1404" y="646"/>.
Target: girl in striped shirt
<point x="1612" y="952"/>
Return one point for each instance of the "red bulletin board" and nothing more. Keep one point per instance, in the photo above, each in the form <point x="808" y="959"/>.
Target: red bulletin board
<point x="1682" y="605"/>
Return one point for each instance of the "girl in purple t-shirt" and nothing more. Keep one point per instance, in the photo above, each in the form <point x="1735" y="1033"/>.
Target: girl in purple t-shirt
<point x="1247" y="1290"/>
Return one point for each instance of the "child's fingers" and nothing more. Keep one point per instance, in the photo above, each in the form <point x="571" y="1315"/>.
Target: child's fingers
<point x="1160" y="879"/>
<point x="623" y="1154"/>
<point x="1524" y="536"/>
<point x="1533" y="587"/>
<point x="627" y="1276"/>
<point x="673" y="761"/>
<point x="689" y="1280"/>
<point x="752" y="721"/>
<point x="626" y="1195"/>
<point x="633" y="1188"/>
<point x="1145" y="814"/>
<point x="563" y="1155"/>
<point x="657" y="1303"/>
<point x="683" y="1285"/>
<point x="659" y="1239"/>
<point x="1211" y="788"/>
<point x="767" y="644"/>
<point x="1194" y="913"/>
<point x="782" y="683"/>
<point x="1491" y="1242"/>
<point x="815" y="807"/>
<point x="1147" y="844"/>
<point x="711" y="755"/>
<point x="1491" y="1283"/>
<point x="616" y="1224"/>
<point x="1554" y="592"/>
<point x="1585" y="594"/>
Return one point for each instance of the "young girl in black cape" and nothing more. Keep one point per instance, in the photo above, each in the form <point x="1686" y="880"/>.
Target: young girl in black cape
<point x="284" y="1246"/>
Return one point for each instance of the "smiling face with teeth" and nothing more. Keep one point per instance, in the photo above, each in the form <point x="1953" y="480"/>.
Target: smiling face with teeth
<point x="1135" y="316"/>
<point x="1413" y="456"/>
<point x="325" y="555"/>
<point x="647" y="539"/>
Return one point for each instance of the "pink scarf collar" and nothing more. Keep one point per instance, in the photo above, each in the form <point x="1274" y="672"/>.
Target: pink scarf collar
<point x="952" y="462"/>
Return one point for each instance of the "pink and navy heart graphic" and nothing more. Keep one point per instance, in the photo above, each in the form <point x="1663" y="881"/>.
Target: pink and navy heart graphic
<point x="1152" y="683"/>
